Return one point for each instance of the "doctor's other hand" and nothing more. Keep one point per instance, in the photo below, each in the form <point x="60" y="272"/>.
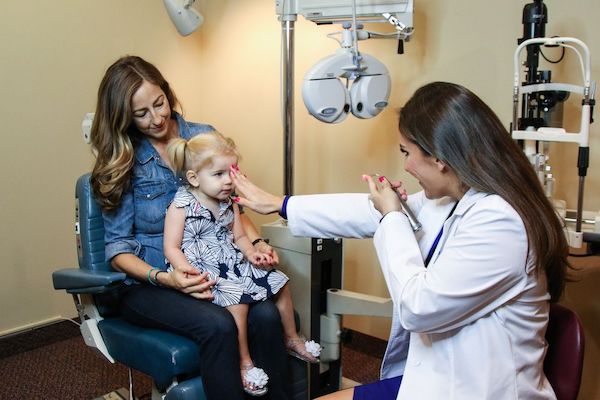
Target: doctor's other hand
<point x="385" y="195"/>
<point x="253" y="197"/>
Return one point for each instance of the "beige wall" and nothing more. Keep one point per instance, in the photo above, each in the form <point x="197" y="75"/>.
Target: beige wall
<point x="53" y="55"/>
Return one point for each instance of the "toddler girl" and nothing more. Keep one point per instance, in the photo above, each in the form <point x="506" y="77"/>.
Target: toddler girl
<point x="203" y="229"/>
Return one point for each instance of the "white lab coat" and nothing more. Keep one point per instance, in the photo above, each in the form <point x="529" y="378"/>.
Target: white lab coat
<point x="476" y="317"/>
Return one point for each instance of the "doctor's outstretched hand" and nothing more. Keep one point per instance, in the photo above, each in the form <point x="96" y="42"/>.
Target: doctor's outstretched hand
<point x="385" y="195"/>
<point x="253" y="197"/>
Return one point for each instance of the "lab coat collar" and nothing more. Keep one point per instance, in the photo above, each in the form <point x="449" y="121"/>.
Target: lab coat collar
<point x="468" y="200"/>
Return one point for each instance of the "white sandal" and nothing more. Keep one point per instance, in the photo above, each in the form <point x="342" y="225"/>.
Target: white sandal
<point x="303" y="349"/>
<point x="254" y="380"/>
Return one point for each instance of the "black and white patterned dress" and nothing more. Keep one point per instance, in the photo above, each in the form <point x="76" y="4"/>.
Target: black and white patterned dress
<point x="208" y="246"/>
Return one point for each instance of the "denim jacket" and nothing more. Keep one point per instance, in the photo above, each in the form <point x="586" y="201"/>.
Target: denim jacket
<point x="137" y="225"/>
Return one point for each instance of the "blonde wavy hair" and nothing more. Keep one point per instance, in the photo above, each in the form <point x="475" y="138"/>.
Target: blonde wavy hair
<point x="113" y="134"/>
<point x="199" y="152"/>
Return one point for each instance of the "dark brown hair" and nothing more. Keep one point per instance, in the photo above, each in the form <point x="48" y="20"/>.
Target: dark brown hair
<point x="113" y="134"/>
<point x="455" y="126"/>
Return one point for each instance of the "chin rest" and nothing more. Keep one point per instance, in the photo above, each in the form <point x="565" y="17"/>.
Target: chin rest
<point x="563" y="364"/>
<point x="171" y="360"/>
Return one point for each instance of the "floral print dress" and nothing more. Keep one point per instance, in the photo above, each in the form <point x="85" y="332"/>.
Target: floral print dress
<point x="208" y="246"/>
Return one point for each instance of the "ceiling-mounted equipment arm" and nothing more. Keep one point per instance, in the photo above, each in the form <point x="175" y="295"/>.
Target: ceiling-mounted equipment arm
<point x="185" y="17"/>
<point x="330" y="11"/>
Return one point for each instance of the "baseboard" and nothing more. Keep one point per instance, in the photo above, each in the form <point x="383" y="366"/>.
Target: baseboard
<point x="364" y="343"/>
<point x="29" y="327"/>
<point x="37" y="335"/>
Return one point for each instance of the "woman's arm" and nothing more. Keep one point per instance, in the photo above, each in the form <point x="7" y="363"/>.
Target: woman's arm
<point x="252" y="196"/>
<point x="326" y="216"/>
<point x="185" y="280"/>
<point x="122" y="249"/>
<point x="349" y="215"/>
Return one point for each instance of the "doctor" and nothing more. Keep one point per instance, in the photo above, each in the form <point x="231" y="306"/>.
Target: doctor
<point x="471" y="290"/>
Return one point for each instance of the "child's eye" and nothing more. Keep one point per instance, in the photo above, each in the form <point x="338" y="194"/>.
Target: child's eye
<point x="404" y="152"/>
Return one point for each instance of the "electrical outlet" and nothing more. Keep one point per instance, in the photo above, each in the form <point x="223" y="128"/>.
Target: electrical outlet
<point x="86" y="127"/>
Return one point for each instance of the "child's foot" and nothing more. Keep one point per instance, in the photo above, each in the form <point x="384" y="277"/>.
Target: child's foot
<point x="254" y="380"/>
<point x="299" y="347"/>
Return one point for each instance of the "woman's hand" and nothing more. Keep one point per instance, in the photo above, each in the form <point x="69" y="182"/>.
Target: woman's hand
<point x="189" y="280"/>
<point x="252" y="196"/>
<point x="385" y="195"/>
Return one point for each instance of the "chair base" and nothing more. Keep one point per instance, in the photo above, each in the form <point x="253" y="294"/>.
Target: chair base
<point x="118" y="394"/>
<point x="160" y="354"/>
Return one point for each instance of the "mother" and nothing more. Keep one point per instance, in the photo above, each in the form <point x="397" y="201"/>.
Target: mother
<point x="134" y="184"/>
<point x="471" y="291"/>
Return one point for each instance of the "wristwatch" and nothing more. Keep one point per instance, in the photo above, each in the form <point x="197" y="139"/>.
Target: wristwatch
<point x="255" y="241"/>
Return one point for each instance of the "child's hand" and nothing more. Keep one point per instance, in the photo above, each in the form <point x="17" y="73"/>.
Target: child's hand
<point x="264" y="248"/>
<point x="260" y="260"/>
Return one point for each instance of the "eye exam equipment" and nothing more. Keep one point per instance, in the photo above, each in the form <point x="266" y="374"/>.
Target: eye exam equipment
<point x="315" y="266"/>
<point x="351" y="81"/>
<point x="414" y="222"/>
<point x="327" y="97"/>
<point x="538" y="108"/>
<point x="324" y="94"/>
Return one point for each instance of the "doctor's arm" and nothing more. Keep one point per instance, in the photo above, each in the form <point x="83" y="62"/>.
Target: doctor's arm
<point x="480" y="267"/>
<point x="325" y="216"/>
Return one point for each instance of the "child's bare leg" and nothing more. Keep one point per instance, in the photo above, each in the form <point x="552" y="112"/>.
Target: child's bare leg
<point x="283" y="301"/>
<point x="240" y="315"/>
<point x="295" y="345"/>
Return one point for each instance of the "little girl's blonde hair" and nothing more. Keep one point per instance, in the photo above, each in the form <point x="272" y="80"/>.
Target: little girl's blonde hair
<point x="199" y="151"/>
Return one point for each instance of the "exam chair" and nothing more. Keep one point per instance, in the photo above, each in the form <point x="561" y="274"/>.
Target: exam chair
<point x="563" y="364"/>
<point x="172" y="361"/>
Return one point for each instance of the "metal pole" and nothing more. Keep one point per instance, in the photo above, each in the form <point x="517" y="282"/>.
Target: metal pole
<point x="579" y="219"/>
<point x="287" y="27"/>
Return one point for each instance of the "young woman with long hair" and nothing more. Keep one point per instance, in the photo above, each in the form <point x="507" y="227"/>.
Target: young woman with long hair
<point x="472" y="289"/>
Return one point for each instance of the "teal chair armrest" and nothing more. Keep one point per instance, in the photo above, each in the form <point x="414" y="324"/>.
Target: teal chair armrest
<point x="76" y="280"/>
